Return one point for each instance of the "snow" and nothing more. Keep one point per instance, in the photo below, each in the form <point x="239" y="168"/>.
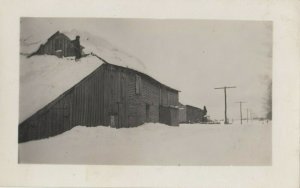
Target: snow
<point x="91" y="43"/>
<point x="44" y="78"/>
<point x="51" y="76"/>
<point x="105" y="50"/>
<point x="155" y="144"/>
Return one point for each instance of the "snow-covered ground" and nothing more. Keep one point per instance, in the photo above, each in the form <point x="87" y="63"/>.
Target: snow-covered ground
<point x="156" y="144"/>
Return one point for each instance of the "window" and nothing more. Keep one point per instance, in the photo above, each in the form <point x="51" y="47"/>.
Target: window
<point x="138" y="84"/>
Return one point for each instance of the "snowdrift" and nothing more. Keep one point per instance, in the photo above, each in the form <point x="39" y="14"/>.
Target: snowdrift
<point x="155" y="144"/>
<point x="105" y="50"/>
<point x="44" y="78"/>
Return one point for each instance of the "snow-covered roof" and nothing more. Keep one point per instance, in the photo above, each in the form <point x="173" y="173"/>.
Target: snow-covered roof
<point x="31" y="41"/>
<point x="44" y="78"/>
<point x="51" y="76"/>
<point x="91" y="44"/>
<point x="105" y="50"/>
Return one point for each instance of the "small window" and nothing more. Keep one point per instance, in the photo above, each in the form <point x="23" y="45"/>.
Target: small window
<point x="138" y="84"/>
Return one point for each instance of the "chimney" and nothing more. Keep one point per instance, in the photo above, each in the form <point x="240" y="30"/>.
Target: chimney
<point x="77" y="38"/>
<point x="77" y="47"/>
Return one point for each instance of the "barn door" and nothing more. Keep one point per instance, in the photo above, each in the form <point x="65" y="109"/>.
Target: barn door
<point x="147" y="113"/>
<point x="113" y="121"/>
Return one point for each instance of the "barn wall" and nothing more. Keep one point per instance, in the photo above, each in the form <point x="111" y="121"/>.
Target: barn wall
<point x="123" y="107"/>
<point x="173" y="116"/>
<point x="150" y="97"/>
<point x="81" y="105"/>
<point x="106" y="97"/>
<point x="168" y="115"/>
<point x="87" y="101"/>
<point x="136" y="104"/>
<point x="168" y="97"/>
<point x="182" y="114"/>
<point x="58" y="42"/>
<point x="115" y="113"/>
<point x="48" y="122"/>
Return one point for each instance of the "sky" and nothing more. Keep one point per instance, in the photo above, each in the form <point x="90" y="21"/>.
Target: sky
<point x="193" y="56"/>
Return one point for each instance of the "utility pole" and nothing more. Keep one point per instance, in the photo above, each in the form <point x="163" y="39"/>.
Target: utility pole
<point x="225" y="87"/>
<point x="247" y="114"/>
<point x="250" y="113"/>
<point x="241" y="114"/>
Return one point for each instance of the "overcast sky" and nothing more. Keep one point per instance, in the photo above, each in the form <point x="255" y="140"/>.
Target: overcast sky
<point x="194" y="56"/>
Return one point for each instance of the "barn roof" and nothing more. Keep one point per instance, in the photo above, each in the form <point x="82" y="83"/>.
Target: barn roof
<point x="193" y="107"/>
<point x="51" y="76"/>
<point x="145" y="75"/>
<point x="31" y="41"/>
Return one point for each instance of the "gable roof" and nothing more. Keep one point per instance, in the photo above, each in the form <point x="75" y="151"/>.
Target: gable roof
<point x="54" y="77"/>
<point x="145" y="75"/>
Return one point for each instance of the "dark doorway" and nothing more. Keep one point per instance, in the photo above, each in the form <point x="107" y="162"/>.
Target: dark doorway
<point x="147" y="113"/>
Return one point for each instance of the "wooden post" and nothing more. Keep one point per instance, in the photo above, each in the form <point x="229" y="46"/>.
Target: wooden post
<point x="247" y="114"/>
<point x="225" y="94"/>
<point x="226" y="120"/>
<point x="241" y="114"/>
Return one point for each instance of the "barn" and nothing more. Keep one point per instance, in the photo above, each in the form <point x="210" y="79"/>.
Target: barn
<point x="111" y="95"/>
<point x="60" y="45"/>
<point x="192" y="114"/>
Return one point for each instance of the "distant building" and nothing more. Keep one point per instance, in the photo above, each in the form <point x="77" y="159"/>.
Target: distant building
<point x="111" y="95"/>
<point x="192" y="114"/>
<point x="60" y="45"/>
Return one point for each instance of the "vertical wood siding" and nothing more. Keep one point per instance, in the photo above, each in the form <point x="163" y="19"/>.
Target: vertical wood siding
<point x="182" y="115"/>
<point x="58" y="42"/>
<point x="105" y="97"/>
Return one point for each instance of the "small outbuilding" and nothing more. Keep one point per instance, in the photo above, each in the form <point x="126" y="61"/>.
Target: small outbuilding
<point x="192" y="114"/>
<point x="60" y="45"/>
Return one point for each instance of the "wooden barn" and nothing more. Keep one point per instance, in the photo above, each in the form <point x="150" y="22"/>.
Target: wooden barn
<point x="112" y="96"/>
<point x="60" y="45"/>
<point x="192" y="114"/>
